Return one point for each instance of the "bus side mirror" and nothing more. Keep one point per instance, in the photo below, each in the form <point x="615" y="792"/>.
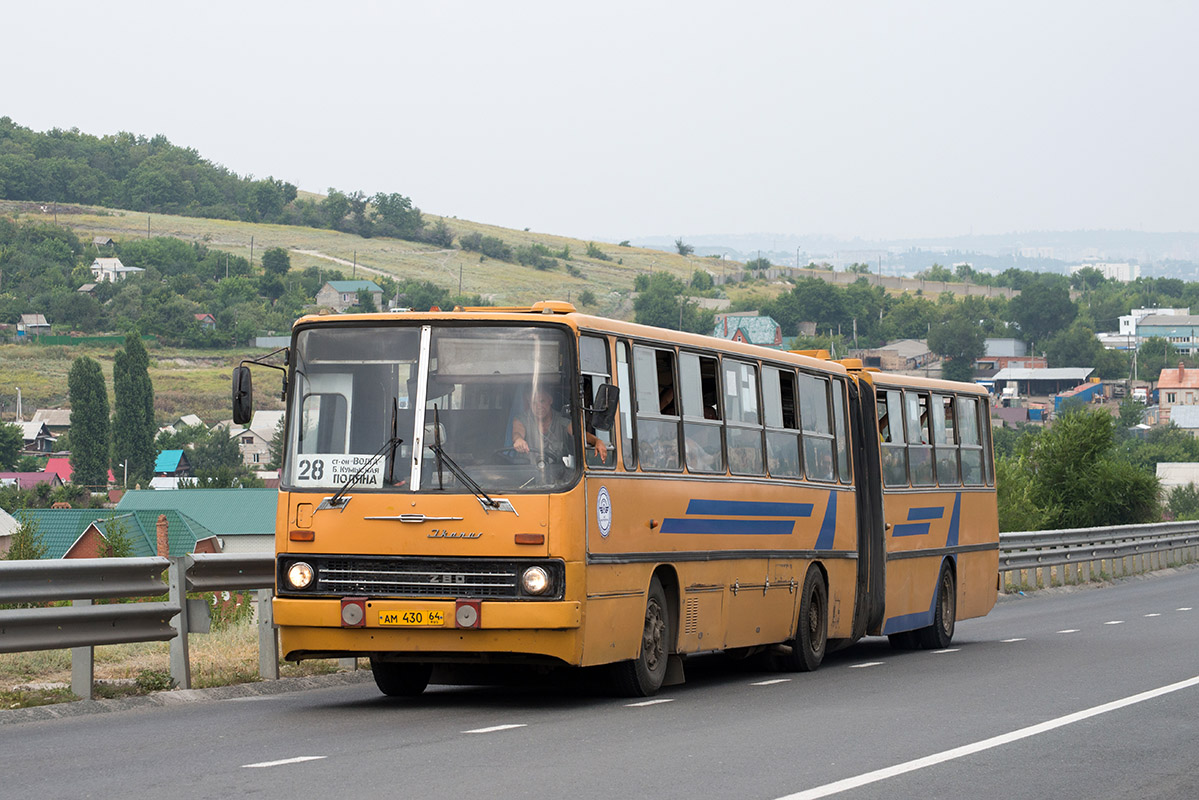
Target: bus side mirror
<point x="603" y="410"/>
<point x="243" y="395"/>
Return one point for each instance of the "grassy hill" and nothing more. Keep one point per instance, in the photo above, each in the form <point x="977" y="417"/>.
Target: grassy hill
<point x="505" y="284"/>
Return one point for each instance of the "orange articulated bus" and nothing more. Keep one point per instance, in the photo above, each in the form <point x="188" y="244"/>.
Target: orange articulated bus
<point x="538" y="486"/>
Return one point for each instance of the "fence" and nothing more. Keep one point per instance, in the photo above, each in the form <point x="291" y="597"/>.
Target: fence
<point x="82" y="625"/>
<point x="1037" y="559"/>
<point x="1029" y="559"/>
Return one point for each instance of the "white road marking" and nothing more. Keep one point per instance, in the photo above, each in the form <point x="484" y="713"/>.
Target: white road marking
<point x="771" y="682"/>
<point x="986" y="744"/>
<point x="1153" y="615"/>
<point x="1115" y="622"/>
<point x="281" y="762"/>
<point x="495" y="728"/>
<point x="1009" y="641"/>
<point x="866" y="664"/>
<point x="1069" y="630"/>
<point x="1184" y="608"/>
<point x="644" y="703"/>
<point x="946" y="650"/>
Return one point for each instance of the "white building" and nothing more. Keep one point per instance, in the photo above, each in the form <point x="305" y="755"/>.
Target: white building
<point x="112" y="270"/>
<point x="1123" y="272"/>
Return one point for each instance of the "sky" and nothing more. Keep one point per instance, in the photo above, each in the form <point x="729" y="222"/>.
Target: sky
<point x="620" y="120"/>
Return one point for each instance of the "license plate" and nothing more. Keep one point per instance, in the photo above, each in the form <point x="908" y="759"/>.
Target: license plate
<point x="413" y="619"/>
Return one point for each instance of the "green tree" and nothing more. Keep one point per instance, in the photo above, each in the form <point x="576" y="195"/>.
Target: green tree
<point x="960" y="341"/>
<point x="91" y="430"/>
<point x="366" y="301"/>
<point x="133" y="424"/>
<point x="701" y="280"/>
<point x="276" y="262"/>
<point x="682" y="247"/>
<point x="11" y="442"/>
<point x="1043" y="307"/>
<point x="26" y="543"/>
<point x="758" y="264"/>
<point x="117" y="542"/>
<point x="1075" y="346"/>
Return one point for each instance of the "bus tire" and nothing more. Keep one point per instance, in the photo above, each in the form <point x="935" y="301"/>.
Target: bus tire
<point x="904" y="640"/>
<point x="811" y="630"/>
<point x="400" y="679"/>
<point x="643" y="676"/>
<point x="938" y="635"/>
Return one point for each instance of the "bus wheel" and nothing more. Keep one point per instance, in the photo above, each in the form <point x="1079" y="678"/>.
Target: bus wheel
<point x="940" y="633"/>
<point x="643" y="676"/>
<point x="400" y="679"/>
<point x="905" y="640"/>
<point x="811" y="634"/>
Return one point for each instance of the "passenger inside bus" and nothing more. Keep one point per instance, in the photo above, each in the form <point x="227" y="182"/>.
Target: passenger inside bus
<point x="545" y="433"/>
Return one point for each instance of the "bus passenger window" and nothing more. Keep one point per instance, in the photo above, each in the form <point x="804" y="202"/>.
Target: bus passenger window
<point x="593" y="364"/>
<point x="817" y="432"/>
<point x="972" y="452"/>
<point x="657" y="409"/>
<point x="842" y="442"/>
<point x="920" y="453"/>
<point x="701" y="419"/>
<point x="944" y="440"/>
<point x="895" y="454"/>
<point x="624" y="382"/>
<point x="743" y="424"/>
<point x="779" y="408"/>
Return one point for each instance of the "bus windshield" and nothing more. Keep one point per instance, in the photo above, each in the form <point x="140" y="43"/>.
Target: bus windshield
<point x="494" y="402"/>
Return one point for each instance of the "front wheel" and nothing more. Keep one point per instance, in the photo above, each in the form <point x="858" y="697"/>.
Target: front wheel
<point x="400" y="679"/>
<point x="643" y="676"/>
<point x="811" y="634"/>
<point x="938" y="635"/>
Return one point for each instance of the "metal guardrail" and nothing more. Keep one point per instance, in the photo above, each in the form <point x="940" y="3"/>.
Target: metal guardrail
<point x="82" y="626"/>
<point x="1042" y="558"/>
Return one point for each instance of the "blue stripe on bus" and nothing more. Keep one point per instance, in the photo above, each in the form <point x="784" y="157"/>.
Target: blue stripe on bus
<point x="934" y="512"/>
<point x="748" y="508"/>
<point x="920" y="528"/>
<point x="828" y="528"/>
<point x="952" y="539"/>
<point x="766" y="527"/>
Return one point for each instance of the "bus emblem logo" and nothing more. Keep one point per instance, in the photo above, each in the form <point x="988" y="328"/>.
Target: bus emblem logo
<point x="603" y="511"/>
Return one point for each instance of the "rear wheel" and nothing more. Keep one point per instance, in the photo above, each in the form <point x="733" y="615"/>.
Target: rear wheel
<point x="940" y="633"/>
<point x="811" y="633"/>
<point x="400" y="679"/>
<point x="643" y="676"/>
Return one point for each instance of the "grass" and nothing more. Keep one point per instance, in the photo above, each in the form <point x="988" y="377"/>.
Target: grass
<point x="227" y="656"/>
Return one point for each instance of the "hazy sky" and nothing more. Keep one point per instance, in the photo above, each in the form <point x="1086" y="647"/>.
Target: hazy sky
<point x="617" y="120"/>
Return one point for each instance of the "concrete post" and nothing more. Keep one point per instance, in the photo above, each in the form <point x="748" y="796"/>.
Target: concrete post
<point x="268" y="639"/>
<point x="181" y="670"/>
<point x="83" y="665"/>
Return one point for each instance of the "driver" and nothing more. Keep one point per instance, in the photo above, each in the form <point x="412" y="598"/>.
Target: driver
<point x="542" y="430"/>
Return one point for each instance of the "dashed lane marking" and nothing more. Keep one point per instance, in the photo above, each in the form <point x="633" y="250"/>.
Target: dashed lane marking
<point x="1009" y="641"/>
<point x="771" y="682"/>
<point x="655" y="702"/>
<point x="866" y="664"/>
<point x="1069" y="630"/>
<point x="1114" y="622"/>
<point x="282" y="762"/>
<point x="495" y="728"/>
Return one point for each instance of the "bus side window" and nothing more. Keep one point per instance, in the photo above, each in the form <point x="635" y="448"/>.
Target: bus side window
<point x="624" y="382"/>
<point x="984" y="429"/>
<point x="972" y="451"/>
<point x="593" y="364"/>
<point x="945" y="440"/>
<point x="890" y="426"/>
<point x="817" y="430"/>
<point x="743" y="423"/>
<point x="782" y="423"/>
<point x="701" y="417"/>
<point x="841" y="429"/>
<point x="657" y="414"/>
<point x="920" y="451"/>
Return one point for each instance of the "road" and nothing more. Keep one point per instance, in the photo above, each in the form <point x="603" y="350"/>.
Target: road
<point x="1091" y="693"/>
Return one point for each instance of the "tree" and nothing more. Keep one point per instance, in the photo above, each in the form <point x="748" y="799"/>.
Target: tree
<point x="758" y="264"/>
<point x="11" y="442"/>
<point x="960" y="341"/>
<point x="133" y="424"/>
<point x="91" y="429"/>
<point x="26" y="543"/>
<point x="682" y="247"/>
<point x="277" y="445"/>
<point x="117" y="543"/>
<point x="366" y="301"/>
<point x="276" y="262"/>
<point x="1043" y="307"/>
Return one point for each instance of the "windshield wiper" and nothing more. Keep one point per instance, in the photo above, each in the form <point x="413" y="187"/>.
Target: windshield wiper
<point x="339" y="500"/>
<point x="459" y="473"/>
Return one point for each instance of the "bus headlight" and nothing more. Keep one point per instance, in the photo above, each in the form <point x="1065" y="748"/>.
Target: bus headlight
<point x="300" y="575"/>
<point x="535" y="580"/>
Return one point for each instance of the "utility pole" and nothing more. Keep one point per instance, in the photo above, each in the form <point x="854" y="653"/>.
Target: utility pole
<point x="251" y="254"/>
<point x="147" y="226"/>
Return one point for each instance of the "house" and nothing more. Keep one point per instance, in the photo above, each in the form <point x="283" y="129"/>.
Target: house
<point x="207" y="321"/>
<point x="57" y="420"/>
<point x="242" y="519"/>
<point x="37" y="437"/>
<point x="254" y="441"/>
<point x="60" y="464"/>
<point x="102" y="241"/>
<point x="8" y="526"/>
<point x="340" y="295"/>
<point x="82" y="532"/>
<point x="186" y="421"/>
<point x="87" y="288"/>
<point x="898" y="356"/>
<point x="1037" y="382"/>
<point x="1177" y="387"/>
<point x="112" y="270"/>
<point x="1172" y="474"/>
<point x="1186" y="418"/>
<point x="1182" y="331"/>
<point x="32" y="325"/>
<point x="751" y="329"/>
<point x="169" y="467"/>
<point x="28" y="480"/>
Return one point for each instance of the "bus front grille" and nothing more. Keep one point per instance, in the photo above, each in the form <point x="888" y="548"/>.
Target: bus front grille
<point x="413" y="576"/>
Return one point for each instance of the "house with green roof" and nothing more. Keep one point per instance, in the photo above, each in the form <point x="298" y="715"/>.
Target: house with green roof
<point x="83" y="532"/>
<point x="340" y="295"/>
<point x="749" y="328"/>
<point x="243" y="519"/>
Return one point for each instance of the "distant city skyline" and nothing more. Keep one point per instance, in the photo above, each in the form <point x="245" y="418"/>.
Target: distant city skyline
<point x="872" y="120"/>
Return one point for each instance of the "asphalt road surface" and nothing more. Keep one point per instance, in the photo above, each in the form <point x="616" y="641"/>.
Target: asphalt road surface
<point x="1091" y="693"/>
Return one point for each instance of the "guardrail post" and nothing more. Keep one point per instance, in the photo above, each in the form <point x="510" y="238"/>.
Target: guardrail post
<point x="181" y="670"/>
<point x="83" y="665"/>
<point x="268" y="638"/>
